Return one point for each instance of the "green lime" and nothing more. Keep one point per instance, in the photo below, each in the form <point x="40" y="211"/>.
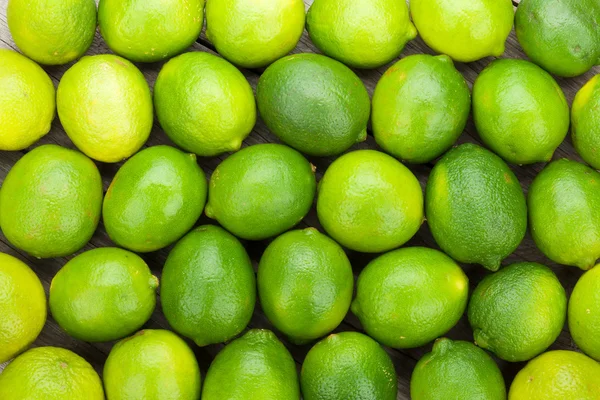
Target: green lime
<point x="456" y="370"/>
<point x="22" y="306"/>
<point x="466" y="30"/>
<point x="305" y="284"/>
<point x="27" y="101"/>
<point x="564" y="213"/>
<point x="348" y="365"/>
<point x="50" y="373"/>
<point x="208" y="286"/>
<point x="370" y="202"/>
<point x="519" y="111"/>
<point x="360" y="33"/>
<point x="408" y="297"/>
<point x="585" y="122"/>
<point x="314" y="104"/>
<point x="584" y="313"/>
<point x="52" y="32"/>
<point x="261" y="191"/>
<point x="254" y="366"/>
<point x="557" y="375"/>
<point x="475" y="206"/>
<point x="50" y="202"/>
<point x="204" y="104"/>
<point x="420" y="107"/>
<point x="154" y="199"/>
<point x="518" y="312"/>
<point x="105" y="106"/>
<point x="561" y="36"/>
<point x="254" y="34"/>
<point x="103" y="294"/>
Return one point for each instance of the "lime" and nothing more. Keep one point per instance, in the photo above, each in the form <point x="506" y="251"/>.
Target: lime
<point x="584" y="313"/>
<point x="305" y="284"/>
<point x="420" y="108"/>
<point x="204" y="104"/>
<point x="370" y="202"/>
<point x="408" y="297"/>
<point x="348" y="365"/>
<point x="314" y="104"/>
<point x="585" y="122"/>
<point x="27" y="101"/>
<point x="50" y="373"/>
<point x="564" y="213"/>
<point x="105" y="106"/>
<point x="254" y="34"/>
<point x="208" y="286"/>
<point x="360" y="33"/>
<point x="261" y="191"/>
<point x="52" y="32"/>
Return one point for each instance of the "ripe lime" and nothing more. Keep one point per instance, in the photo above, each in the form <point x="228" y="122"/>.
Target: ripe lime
<point x="584" y="313"/>
<point x="585" y="122"/>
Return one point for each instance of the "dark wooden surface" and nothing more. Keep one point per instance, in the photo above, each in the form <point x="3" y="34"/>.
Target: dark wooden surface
<point x="404" y="360"/>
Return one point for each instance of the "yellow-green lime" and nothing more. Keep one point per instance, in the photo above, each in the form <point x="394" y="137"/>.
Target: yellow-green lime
<point x="103" y="294"/>
<point x="518" y="312"/>
<point x="408" y="297"/>
<point x="52" y="32"/>
<point x="305" y="284"/>
<point x="50" y="373"/>
<point x="348" y="365"/>
<point x="564" y="213"/>
<point x="420" y="107"/>
<point x="150" y="30"/>
<point x="105" y="106"/>
<point x="254" y="34"/>
<point x="557" y="375"/>
<point x="22" y="306"/>
<point x="584" y="313"/>
<point x="585" y="122"/>
<point x="204" y="104"/>
<point x="27" y="101"/>
<point x="152" y="365"/>
<point x="208" y="286"/>
<point x="466" y="30"/>
<point x="360" y="33"/>
<point x="370" y="202"/>
<point x="314" y="104"/>
<point x="519" y="111"/>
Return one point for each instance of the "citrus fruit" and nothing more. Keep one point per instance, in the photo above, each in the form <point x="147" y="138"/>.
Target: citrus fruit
<point x="466" y="30"/>
<point x="456" y="370"/>
<point x="557" y="375"/>
<point x="585" y="122"/>
<point x="348" y="365"/>
<point x="254" y="34"/>
<point x="564" y="213"/>
<point x="370" y="202"/>
<point x="261" y="191"/>
<point x="104" y="105"/>
<point x="305" y="284"/>
<point x="519" y="111"/>
<point x="50" y="373"/>
<point x="420" y="107"/>
<point x="361" y="34"/>
<point x="408" y="297"/>
<point x="152" y="365"/>
<point x="204" y="104"/>
<point x="314" y="104"/>
<point x="52" y="32"/>
<point x="103" y="294"/>
<point x="518" y="312"/>
<point x="154" y="199"/>
<point x="22" y="306"/>
<point x="584" y="313"/>
<point x="254" y="366"/>
<point x="561" y="36"/>
<point x="27" y="101"/>
<point x="475" y="206"/>
<point x="50" y="202"/>
<point x="208" y="286"/>
<point x="150" y="30"/>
